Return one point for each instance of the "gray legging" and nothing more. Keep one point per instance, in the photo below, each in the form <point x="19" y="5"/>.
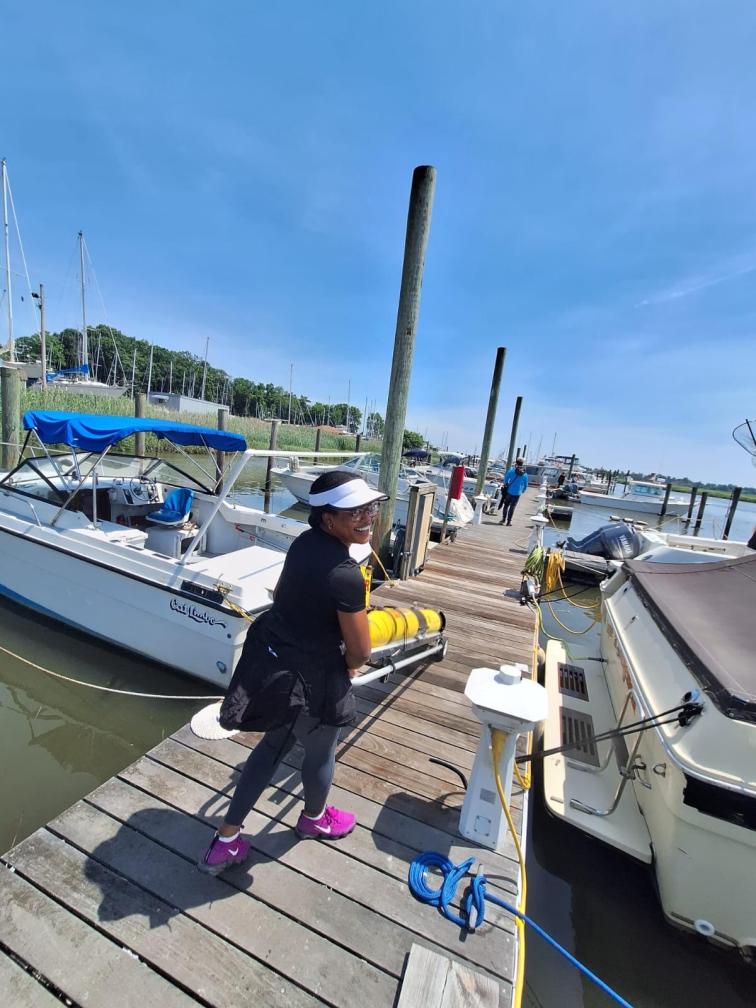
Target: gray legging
<point x="319" y="744"/>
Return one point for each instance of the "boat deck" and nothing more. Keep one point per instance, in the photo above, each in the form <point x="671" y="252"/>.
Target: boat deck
<point x="104" y="905"/>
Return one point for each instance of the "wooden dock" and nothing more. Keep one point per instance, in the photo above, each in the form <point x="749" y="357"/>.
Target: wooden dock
<point x="105" y="906"/>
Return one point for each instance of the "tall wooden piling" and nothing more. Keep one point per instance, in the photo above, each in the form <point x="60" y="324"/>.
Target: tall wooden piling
<point x="274" y="424"/>
<point x="220" y="457"/>
<point x="572" y="466"/>
<point x="357" y="442"/>
<point x="318" y="436"/>
<point x="513" y="435"/>
<point x="10" y="389"/>
<point x="415" y="245"/>
<point x="731" y="511"/>
<point x="140" y="406"/>
<point x="493" y="399"/>
<point x="699" y="516"/>
<point x="665" y="502"/>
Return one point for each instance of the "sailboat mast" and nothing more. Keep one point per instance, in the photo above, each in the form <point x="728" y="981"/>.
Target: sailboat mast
<point x="84" y="345"/>
<point x="204" y="372"/>
<point x="6" y="240"/>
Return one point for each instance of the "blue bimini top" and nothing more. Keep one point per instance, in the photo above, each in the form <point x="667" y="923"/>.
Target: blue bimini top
<point x="94" y="433"/>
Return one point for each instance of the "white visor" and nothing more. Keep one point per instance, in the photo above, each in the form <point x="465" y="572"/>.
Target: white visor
<point x="354" y="493"/>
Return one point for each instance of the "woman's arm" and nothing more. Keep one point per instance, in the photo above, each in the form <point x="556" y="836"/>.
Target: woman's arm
<point x="355" y="630"/>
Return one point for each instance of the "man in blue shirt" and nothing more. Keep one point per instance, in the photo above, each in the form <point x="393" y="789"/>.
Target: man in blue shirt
<point x="515" y="484"/>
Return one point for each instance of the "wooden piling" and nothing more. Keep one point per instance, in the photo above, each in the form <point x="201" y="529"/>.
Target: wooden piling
<point x="10" y="389"/>
<point x="357" y="442"/>
<point x="318" y="436"/>
<point x="665" y="502"/>
<point x="274" y="424"/>
<point x="699" y="516"/>
<point x="493" y="399"/>
<point x="140" y="405"/>
<point x="693" y="492"/>
<point x="220" y="457"/>
<point x="513" y="435"/>
<point x="731" y="511"/>
<point x="572" y="466"/>
<point x="415" y="245"/>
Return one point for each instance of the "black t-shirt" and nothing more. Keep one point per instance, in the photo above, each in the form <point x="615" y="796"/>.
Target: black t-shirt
<point x="318" y="580"/>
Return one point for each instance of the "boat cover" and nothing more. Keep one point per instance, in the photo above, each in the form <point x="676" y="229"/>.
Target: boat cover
<point x="94" y="433"/>
<point x="708" y="612"/>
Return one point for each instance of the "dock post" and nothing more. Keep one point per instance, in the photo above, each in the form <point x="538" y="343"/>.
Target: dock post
<point x="513" y="435"/>
<point x="693" y="492"/>
<point x="731" y="511"/>
<point x="572" y="465"/>
<point x="273" y="441"/>
<point x="318" y="435"/>
<point x="140" y="402"/>
<point x="220" y="457"/>
<point x="524" y="452"/>
<point x="357" y="442"/>
<point x="493" y="399"/>
<point x="10" y="389"/>
<point x="415" y="245"/>
<point x="665" y="502"/>
<point x="699" y="516"/>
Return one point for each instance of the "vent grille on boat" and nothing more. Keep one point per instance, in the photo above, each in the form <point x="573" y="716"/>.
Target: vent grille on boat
<point x="577" y="731"/>
<point x="572" y="681"/>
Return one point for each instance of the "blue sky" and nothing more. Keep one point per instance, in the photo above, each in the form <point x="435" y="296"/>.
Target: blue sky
<point x="242" y="172"/>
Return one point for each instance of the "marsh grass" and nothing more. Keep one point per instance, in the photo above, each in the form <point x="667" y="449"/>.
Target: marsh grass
<point x="256" y="432"/>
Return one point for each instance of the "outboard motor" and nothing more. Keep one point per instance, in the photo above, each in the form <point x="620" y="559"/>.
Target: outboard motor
<point x="613" y="542"/>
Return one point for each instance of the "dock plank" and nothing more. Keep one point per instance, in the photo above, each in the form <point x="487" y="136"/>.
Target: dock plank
<point x="19" y="989"/>
<point x="49" y="938"/>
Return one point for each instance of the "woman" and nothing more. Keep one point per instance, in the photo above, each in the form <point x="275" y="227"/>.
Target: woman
<point x="317" y="625"/>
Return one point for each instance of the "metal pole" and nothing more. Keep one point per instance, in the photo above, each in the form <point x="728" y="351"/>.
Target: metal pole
<point x="220" y="457"/>
<point x="10" y="389"/>
<point x="273" y="440"/>
<point x="291" y="379"/>
<point x="699" y="516"/>
<point x="349" y="404"/>
<point x="84" y="333"/>
<point x="415" y="245"/>
<point x="204" y="372"/>
<point x="42" y="335"/>
<point x="149" y="374"/>
<point x="493" y="399"/>
<point x="665" y="502"/>
<point x="140" y="402"/>
<point x="8" y="278"/>
<point x="731" y="512"/>
<point x="693" y="492"/>
<point x="513" y="435"/>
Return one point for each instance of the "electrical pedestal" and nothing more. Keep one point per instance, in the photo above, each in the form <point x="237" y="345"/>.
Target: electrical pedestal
<point x="501" y="699"/>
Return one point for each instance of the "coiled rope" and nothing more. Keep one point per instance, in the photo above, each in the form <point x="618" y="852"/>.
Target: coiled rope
<point x="474" y="906"/>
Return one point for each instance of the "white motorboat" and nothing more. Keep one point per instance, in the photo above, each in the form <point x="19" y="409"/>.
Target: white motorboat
<point x="298" y="479"/>
<point x="639" y="497"/>
<point x="81" y="541"/>
<point x="677" y="790"/>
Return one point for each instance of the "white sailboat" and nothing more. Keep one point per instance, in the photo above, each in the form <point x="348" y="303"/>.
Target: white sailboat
<point x="78" y="379"/>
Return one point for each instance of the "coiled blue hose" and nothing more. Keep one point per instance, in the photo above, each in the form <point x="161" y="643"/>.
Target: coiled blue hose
<point x="475" y="903"/>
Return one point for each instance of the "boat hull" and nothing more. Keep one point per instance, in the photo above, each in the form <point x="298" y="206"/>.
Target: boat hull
<point x="626" y="504"/>
<point x="157" y="621"/>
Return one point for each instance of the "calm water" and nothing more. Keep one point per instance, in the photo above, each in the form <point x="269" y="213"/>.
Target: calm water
<point x="58" y="741"/>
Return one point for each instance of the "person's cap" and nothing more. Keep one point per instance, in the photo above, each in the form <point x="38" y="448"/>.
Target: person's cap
<point x="354" y="493"/>
<point x="520" y="462"/>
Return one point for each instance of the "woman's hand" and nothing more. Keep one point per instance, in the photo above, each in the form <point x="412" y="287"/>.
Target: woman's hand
<point x="355" y="630"/>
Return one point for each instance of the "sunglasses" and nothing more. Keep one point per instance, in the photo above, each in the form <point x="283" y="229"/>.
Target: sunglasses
<point x="366" y="511"/>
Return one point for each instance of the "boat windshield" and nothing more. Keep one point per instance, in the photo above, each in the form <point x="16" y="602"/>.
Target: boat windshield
<point x="55" y="477"/>
<point x="646" y="489"/>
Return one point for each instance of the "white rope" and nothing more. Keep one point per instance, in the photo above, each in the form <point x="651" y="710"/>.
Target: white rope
<point x="104" y="689"/>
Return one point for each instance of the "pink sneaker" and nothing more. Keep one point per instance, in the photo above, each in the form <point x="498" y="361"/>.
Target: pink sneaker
<point x="220" y="855"/>
<point x="332" y="825"/>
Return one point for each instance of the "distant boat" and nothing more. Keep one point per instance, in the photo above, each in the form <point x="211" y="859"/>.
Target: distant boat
<point x="77" y="379"/>
<point x="639" y="497"/>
